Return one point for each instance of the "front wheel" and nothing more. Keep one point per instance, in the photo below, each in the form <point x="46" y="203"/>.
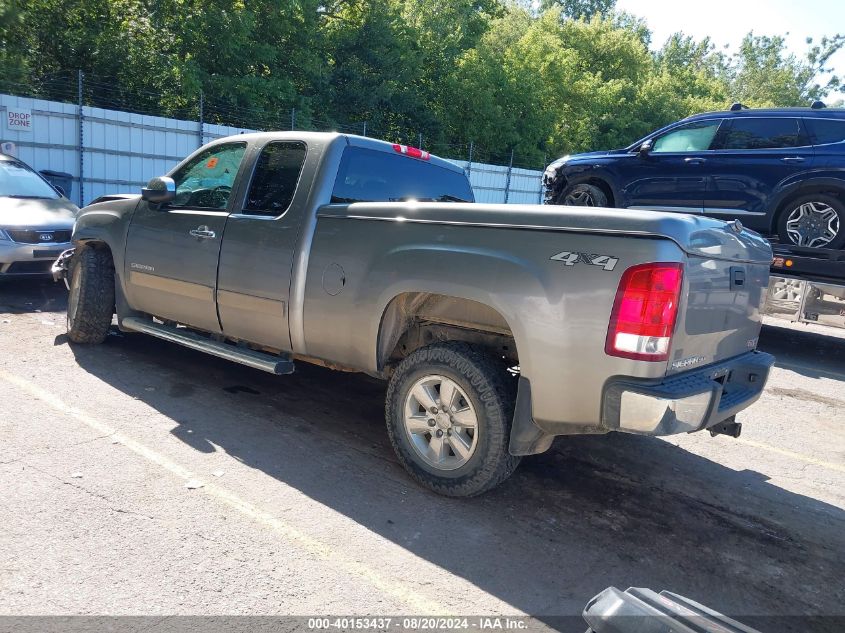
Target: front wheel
<point x="583" y="195"/>
<point x="90" y="303"/>
<point x="816" y="220"/>
<point x="449" y="410"/>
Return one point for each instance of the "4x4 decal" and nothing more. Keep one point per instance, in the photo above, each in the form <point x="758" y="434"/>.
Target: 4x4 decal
<point x="568" y="258"/>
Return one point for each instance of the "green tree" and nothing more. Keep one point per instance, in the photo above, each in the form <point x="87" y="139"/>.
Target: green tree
<point x="763" y="73"/>
<point x="14" y="63"/>
<point x="580" y="8"/>
<point x="254" y="59"/>
<point x="491" y="102"/>
<point x="688" y="77"/>
<point x="590" y="76"/>
<point x="373" y="64"/>
<point x="555" y="77"/>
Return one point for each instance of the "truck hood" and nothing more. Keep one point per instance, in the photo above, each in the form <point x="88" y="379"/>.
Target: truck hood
<point x="696" y="235"/>
<point x="36" y="212"/>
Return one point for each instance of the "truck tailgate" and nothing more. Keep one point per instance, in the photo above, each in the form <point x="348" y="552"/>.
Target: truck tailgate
<point x="727" y="273"/>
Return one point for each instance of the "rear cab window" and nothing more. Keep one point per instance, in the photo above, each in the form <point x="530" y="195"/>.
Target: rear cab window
<point x="367" y="175"/>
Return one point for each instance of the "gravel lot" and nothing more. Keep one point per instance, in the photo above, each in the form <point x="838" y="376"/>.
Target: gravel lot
<point x="302" y="509"/>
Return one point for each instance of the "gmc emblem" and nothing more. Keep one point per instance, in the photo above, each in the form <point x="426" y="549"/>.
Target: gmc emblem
<point x="45" y="237"/>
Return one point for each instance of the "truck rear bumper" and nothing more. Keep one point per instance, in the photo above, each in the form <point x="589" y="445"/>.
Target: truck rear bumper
<point x="687" y="402"/>
<point x="692" y="401"/>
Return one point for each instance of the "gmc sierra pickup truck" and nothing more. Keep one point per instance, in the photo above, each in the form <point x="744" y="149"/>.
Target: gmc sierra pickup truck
<point x="497" y="327"/>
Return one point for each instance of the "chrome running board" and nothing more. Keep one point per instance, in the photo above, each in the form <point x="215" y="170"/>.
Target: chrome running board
<point x="277" y="365"/>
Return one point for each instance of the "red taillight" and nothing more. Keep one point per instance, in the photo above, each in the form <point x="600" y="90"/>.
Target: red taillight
<point x="413" y="152"/>
<point x="645" y="311"/>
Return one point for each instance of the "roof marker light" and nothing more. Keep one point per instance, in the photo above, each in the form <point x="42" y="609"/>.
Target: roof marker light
<point x="413" y="152"/>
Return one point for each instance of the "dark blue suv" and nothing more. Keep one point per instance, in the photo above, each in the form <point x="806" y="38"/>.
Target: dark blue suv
<point x="780" y="172"/>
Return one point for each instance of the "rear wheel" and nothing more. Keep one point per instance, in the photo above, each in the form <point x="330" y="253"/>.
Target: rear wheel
<point x="583" y="195"/>
<point x="449" y="410"/>
<point x="816" y="220"/>
<point x="90" y="303"/>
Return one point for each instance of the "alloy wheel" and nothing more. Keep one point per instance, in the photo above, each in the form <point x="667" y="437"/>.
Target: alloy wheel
<point x="788" y="290"/>
<point x="813" y="224"/>
<point x="441" y="422"/>
<point x="579" y="198"/>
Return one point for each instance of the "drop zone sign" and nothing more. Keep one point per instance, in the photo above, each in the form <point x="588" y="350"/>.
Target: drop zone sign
<point x="18" y="120"/>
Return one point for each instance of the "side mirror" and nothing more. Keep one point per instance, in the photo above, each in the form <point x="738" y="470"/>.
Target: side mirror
<point x="159" y="190"/>
<point x="645" y="148"/>
<point x="60" y="190"/>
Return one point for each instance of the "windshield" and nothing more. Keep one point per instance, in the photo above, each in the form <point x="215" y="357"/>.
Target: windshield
<point x="19" y="181"/>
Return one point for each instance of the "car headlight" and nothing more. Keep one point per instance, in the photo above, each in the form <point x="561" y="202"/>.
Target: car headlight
<point x="555" y="165"/>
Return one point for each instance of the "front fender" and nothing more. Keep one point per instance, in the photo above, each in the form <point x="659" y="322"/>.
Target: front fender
<point x="569" y="176"/>
<point x="108" y="223"/>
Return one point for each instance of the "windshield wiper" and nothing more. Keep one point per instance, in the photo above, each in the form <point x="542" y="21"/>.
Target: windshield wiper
<point x="448" y="198"/>
<point x="21" y="197"/>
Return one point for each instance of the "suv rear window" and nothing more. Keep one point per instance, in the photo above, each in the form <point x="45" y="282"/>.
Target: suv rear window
<point x="367" y="175"/>
<point x="763" y="133"/>
<point x="825" y="131"/>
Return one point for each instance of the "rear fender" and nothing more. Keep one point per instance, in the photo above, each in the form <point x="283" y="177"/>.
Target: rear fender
<point x="464" y="273"/>
<point x="831" y="181"/>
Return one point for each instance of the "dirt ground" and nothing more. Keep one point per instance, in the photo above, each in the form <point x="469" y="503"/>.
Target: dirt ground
<point x="142" y="478"/>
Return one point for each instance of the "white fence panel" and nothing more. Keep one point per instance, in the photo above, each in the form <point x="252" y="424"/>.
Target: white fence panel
<point x="120" y="151"/>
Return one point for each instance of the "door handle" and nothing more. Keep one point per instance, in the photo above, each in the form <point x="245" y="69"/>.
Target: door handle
<point x="203" y="233"/>
<point x="793" y="159"/>
<point x="694" y="161"/>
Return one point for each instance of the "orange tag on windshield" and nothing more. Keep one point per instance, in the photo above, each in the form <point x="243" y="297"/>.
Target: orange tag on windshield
<point x="212" y="163"/>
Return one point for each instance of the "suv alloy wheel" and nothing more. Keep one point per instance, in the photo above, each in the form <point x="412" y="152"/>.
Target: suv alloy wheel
<point x="584" y="195"/>
<point x="815" y="221"/>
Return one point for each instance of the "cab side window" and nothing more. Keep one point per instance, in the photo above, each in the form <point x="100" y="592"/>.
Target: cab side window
<point x="275" y="178"/>
<point x="826" y="131"/>
<point x="692" y="137"/>
<point x="206" y="181"/>
<point x="762" y="133"/>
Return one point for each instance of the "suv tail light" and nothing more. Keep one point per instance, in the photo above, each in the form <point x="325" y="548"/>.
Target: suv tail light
<point x="413" y="152"/>
<point x="645" y="311"/>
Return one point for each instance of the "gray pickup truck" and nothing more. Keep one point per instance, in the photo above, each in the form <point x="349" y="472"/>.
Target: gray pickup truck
<point x="497" y="327"/>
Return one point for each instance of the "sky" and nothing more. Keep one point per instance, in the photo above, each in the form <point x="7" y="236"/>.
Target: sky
<point x="727" y="21"/>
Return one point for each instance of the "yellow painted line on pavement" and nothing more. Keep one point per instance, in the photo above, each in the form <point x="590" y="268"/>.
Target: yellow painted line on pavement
<point x="405" y="593"/>
<point x="787" y="453"/>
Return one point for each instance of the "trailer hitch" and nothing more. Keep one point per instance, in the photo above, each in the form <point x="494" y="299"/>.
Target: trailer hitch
<point x="729" y="427"/>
